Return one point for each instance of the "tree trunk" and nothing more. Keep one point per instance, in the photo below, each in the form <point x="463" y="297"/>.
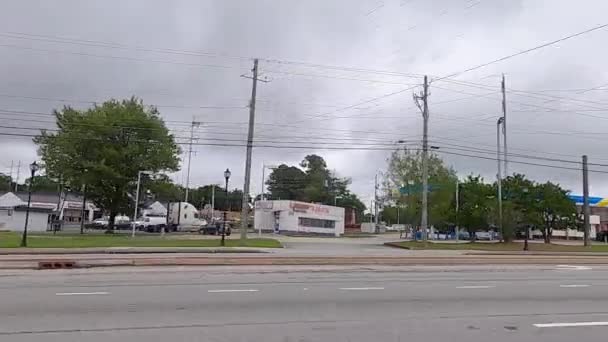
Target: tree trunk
<point x="111" y="220"/>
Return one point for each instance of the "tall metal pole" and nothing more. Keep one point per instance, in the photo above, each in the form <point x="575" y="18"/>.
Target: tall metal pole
<point x="136" y="204"/>
<point x="84" y="202"/>
<point x="225" y="216"/>
<point x="263" y="179"/>
<point x="27" y="211"/>
<point x="194" y="124"/>
<point x="212" y="200"/>
<point x="376" y="202"/>
<point x="586" y="201"/>
<point x="504" y="123"/>
<point x="10" y="178"/>
<point x="245" y="203"/>
<point x="457" y="210"/>
<point x="499" y="177"/>
<point x="425" y="164"/>
<point x="18" y="174"/>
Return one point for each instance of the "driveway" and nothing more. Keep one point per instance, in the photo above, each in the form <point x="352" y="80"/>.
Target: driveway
<point x="332" y="246"/>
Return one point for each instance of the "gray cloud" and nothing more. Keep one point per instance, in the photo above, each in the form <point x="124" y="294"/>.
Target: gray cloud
<point x="420" y="37"/>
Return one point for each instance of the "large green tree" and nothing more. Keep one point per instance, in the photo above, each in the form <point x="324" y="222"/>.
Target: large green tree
<point x="312" y="182"/>
<point x="403" y="186"/>
<point x="476" y="200"/>
<point x="105" y="147"/>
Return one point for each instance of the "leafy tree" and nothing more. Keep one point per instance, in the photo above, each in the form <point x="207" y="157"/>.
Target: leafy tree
<point x="555" y="208"/>
<point x="5" y="182"/>
<point x="313" y="182"/>
<point x="403" y="186"/>
<point x="475" y="204"/>
<point x="44" y="183"/>
<point x="105" y="147"/>
<point x="286" y="182"/>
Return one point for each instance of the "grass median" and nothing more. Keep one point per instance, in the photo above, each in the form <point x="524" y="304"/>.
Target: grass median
<point x="497" y="246"/>
<point x="37" y="240"/>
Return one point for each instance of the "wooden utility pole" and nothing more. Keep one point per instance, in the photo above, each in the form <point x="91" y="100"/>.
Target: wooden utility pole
<point x="504" y="124"/>
<point x="586" y="201"/>
<point x="424" y="108"/>
<point x="245" y="202"/>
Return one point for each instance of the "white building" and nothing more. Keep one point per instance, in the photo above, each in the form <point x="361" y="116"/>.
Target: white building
<point x="298" y="217"/>
<point x="45" y="207"/>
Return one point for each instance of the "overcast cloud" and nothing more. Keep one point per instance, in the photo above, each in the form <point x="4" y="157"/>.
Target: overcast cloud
<point x="309" y="106"/>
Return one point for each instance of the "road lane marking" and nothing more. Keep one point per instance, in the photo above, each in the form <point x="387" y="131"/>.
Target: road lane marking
<point x="232" y="290"/>
<point x="81" y="293"/>
<point x="572" y="268"/>
<point x="573" y="324"/>
<point x="476" y="287"/>
<point x="575" y="285"/>
<point x="361" y="288"/>
<point x="306" y="289"/>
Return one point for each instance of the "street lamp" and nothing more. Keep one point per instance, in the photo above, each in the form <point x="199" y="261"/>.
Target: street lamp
<point x="33" y="168"/>
<point x="226" y="176"/>
<point x="137" y="200"/>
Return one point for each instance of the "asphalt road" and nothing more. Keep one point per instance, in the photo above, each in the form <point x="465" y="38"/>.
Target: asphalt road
<point x="475" y="303"/>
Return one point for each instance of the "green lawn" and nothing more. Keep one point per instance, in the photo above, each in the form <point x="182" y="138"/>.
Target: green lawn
<point x="12" y="240"/>
<point x="498" y="247"/>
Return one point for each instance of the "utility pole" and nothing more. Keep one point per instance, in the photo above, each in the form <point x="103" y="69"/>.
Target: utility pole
<point x="457" y="210"/>
<point x="18" y="173"/>
<point x="376" y="202"/>
<point x="10" y="178"/>
<point x="245" y="206"/>
<point x="194" y="124"/>
<point x="499" y="176"/>
<point x="424" y="108"/>
<point x="504" y="123"/>
<point x="586" y="200"/>
<point x="212" y="199"/>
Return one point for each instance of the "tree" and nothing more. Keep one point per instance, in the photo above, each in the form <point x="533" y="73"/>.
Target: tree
<point x="5" y="182"/>
<point x="475" y="204"/>
<point x="555" y="208"/>
<point x="403" y="187"/>
<point x="105" y="147"/>
<point x="286" y="182"/>
<point x="313" y="182"/>
<point x="44" y="183"/>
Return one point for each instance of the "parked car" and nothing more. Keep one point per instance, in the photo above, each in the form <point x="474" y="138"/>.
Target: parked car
<point x="483" y="236"/>
<point x="216" y="228"/>
<point x="601" y="235"/>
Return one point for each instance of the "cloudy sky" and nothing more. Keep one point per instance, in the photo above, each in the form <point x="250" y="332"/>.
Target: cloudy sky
<point x="340" y="79"/>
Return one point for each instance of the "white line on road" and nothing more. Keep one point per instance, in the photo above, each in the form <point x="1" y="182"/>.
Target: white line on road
<point x="476" y="287"/>
<point x="575" y="285"/>
<point x="360" y="288"/>
<point x="572" y="268"/>
<point x="573" y="324"/>
<point x="81" y="293"/>
<point x="233" y="290"/>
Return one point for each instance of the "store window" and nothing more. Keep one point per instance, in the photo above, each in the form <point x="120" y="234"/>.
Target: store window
<point x="316" y="223"/>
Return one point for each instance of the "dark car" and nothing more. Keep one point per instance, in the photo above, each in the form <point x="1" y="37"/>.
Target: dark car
<point x="216" y="228"/>
<point x="601" y="236"/>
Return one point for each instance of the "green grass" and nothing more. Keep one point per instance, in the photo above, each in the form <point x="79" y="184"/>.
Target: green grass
<point x="13" y="240"/>
<point x="499" y="247"/>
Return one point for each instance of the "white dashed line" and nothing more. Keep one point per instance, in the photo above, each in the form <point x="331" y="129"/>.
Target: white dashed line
<point x="81" y="293"/>
<point x="233" y="290"/>
<point x="476" y="287"/>
<point x="305" y="289"/>
<point x="361" y="288"/>
<point x="575" y="285"/>
<point x="573" y="324"/>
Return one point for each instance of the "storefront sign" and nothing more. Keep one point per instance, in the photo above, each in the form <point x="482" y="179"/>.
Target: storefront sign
<point x="306" y="208"/>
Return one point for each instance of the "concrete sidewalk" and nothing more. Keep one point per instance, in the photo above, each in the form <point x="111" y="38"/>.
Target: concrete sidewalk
<point x="128" y="250"/>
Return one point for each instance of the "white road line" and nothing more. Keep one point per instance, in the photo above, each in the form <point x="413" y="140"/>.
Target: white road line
<point x="360" y="288"/>
<point x="476" y="287"/>
<point x="233" y="290"/>
<point x="305" y="289"/>
<point x="575" y="285"/>
<point x="81" y="293"/>
<point x="572" y="268"/>
<point x="573" y="324"/>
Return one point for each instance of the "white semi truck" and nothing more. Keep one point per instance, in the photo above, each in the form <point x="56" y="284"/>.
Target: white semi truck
<point x="183" y="216"/>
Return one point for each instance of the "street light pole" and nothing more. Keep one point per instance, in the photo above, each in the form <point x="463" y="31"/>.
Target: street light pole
<point x="137" y="201"/>
<point x="499" y="177"/>
<point x="33" y="168"/>
<point x="226" y="176"/>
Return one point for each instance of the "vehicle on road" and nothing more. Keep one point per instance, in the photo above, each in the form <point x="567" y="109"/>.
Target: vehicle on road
<point x="154" y="224"/>
<point x="184" y="216"/>
<point x="216" y="228"/>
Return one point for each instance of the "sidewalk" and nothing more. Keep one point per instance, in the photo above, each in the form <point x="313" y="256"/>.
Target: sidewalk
<point x="128" y="250"/>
